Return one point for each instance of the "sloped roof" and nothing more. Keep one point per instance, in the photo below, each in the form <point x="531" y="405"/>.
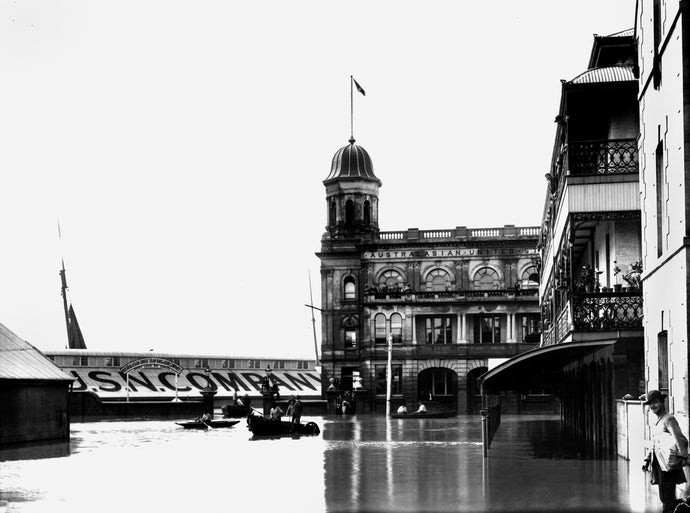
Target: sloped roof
<point x="21" y="360"/>
<point x="623" y="33"/>
<point x="608" y="74"/>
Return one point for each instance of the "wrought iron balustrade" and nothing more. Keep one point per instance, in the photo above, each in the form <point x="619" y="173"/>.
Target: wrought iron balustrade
<point x="613" y="156"/>
<point x="607" y="310"/>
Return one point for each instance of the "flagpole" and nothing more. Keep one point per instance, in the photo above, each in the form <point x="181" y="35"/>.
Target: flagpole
<point x="352" y="111"/>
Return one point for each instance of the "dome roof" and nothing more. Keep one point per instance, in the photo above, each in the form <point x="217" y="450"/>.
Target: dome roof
<point x="351" y="162"/>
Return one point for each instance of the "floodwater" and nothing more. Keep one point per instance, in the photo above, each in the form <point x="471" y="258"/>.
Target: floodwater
<point x="362" y="463"/>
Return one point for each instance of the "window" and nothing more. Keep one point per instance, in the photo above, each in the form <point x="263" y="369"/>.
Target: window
<point x="396" y="382"/>
<point x="391" y="281"/>
<point x="439" y="330"/>
<point x="486" y="278"/>
<point x="176" y="361"/>
<point x="662" y="344"/>
<point x="80" y="361"/>
<point x="279" y="364"/>
<point x="254" y="364"/>
<point x="656" y="67"/>
<point x="367" y="213"/>
<point x="112" y="361"/>
<point x="302" y="365"/>
<point x="529" y="278"/>
<point x="51" y="357"/>
<point x="438" y="280"/>
<point x="227" y="364"/>
<point x="331" y="214"/>
<point x="530" y="328"/>
<point x="200" y="363"/>
<point x="487" y="329"/>
<point x="380" y="329"/>
<point x="396" y="328"/>
<point x="349" y="213"/>
<point x="351" y="338"/>
<point x="659" y="198"/>
<point x="350" y="292"/>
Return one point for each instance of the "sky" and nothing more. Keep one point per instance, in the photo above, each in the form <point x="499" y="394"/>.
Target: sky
<point x="182" y="146"/>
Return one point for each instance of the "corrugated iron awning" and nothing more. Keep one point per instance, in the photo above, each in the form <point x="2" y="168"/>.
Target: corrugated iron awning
<point x="540" y="368"/>
<point x="21" y="360"/>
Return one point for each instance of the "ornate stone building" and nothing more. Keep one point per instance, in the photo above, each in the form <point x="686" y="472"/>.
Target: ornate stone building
<point x="453" y="301"/>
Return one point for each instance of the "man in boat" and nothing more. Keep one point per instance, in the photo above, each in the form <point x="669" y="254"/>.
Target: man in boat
<point x="296" y="413"/>
<point x="402" y="408"/>
<point x="206" y="417"/>
<point x="275" y="413"/>
<point x="421" y="408"/>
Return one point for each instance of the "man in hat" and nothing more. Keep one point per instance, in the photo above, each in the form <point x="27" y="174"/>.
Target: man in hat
<point x="669" y="451"/>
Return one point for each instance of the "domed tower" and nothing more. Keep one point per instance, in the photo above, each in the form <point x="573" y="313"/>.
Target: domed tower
<point x="352" y="194"/>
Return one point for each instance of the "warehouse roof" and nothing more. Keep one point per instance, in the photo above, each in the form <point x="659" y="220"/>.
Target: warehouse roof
<point x="21" y="360"/>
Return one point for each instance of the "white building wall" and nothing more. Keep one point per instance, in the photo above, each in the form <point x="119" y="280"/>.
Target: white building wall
<point x="665" y="277"/>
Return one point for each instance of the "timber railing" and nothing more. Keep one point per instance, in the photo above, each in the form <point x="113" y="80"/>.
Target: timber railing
<point x="491" y="419"/>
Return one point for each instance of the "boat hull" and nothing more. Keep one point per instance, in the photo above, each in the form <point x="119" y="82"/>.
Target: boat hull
<point x="213" y="424"/>
<point x="426" y="415"/>
<point x="261" y="426"/>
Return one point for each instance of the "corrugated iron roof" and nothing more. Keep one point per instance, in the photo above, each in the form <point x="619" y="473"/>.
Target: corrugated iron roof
<point x="623" y="33"/>
<point x="608" y="74"/>
<point x="21" y="360"/>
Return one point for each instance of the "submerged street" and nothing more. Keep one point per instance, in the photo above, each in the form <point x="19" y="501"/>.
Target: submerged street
<point x="361" y="463"/>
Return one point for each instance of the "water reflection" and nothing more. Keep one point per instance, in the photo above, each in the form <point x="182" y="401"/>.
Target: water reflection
<point x="363" y="463"/>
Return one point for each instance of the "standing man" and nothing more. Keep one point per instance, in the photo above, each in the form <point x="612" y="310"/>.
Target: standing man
<point x="296" y="413"/>
<point x="669" y="451"/>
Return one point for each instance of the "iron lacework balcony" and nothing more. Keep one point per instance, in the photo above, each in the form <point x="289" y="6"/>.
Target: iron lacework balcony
<point x="608" y="311"/>
<point x="596" y="311"/>
<point x="612" y="156"/>
<point x="448" y="296"/>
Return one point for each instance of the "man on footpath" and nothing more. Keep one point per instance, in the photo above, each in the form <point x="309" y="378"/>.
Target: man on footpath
<point x="668" y="454"/>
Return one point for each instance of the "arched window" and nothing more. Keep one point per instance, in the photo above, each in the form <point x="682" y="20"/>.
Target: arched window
<point x="349" y="212"/>
<point x="350" y="290"/>
<point x="437" y="280"/>
<point x="331" y="214"/>
<point x="391" y="281"/>
<point x="367" y="213"/>
<point x="486" y="278"/>
<point x="530" y="278"/>
<point x="380" y="329"/>
<point x="396" y="328"/>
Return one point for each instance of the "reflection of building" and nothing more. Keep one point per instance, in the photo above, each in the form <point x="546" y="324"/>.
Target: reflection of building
<point x="664" y="63"/>
<point x="34" y="393"/>
<point x="450" y="300"/>
<point x="590" y="295"/>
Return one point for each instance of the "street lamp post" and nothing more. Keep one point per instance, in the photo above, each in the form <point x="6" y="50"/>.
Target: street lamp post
<point x="389" y="372"/>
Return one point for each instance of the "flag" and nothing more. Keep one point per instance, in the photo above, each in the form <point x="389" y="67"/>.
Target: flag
<point x="359" y="88"/>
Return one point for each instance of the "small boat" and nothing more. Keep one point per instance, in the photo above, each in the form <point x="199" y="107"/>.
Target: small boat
<point x="434" y="410"/>
<point x="230" y="410"/>
<point x="426" y="415"/>
<point x="198" y="424"/>
<point x="261" y="426"/>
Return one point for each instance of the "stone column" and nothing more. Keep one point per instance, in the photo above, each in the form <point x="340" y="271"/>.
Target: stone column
<point x="511" y="328"/>
<point x="414" y="329"/>
<point x="462" y="331"/>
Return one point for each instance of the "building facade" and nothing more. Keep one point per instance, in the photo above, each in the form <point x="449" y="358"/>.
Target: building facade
<point x="450" y="301"/>
<point x="590" y="292"/>
<point x="663" y="38"/>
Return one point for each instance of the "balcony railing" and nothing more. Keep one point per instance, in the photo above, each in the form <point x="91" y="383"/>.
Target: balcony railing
<point x="450" y="295"/>
<point x="608" y="310"/>
<point x="613" y="156"/>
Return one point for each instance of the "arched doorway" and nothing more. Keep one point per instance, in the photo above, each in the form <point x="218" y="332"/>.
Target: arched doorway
<point x="474" y="393"/>
<point x="438" y="384"/>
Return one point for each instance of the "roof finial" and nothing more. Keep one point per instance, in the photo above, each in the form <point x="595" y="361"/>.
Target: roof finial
<point x="351" y="140"/>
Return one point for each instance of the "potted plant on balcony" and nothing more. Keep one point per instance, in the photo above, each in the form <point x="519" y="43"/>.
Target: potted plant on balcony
<point x="616" y="271"/>
<point x="633" y="277"/>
